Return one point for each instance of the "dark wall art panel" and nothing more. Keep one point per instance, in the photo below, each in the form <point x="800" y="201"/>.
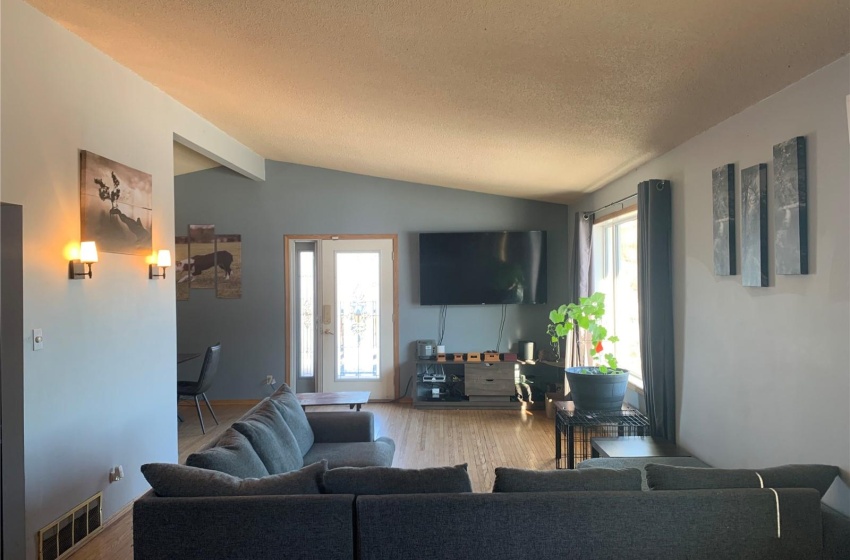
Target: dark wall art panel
<point x="754" y="226"/>
<point x="791" y="215"/>
<point x="723" y="197"/>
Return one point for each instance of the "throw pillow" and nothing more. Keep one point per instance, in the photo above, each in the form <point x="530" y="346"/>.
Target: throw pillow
<point x="668" y="477"/>
<point x="271" y="438"/>
<point x="375" y="481"/>
<point x="569" y="480"/>
<point x="181" y="481"/>
<point x="294" y="416"/>
<point x="233" y="454"/>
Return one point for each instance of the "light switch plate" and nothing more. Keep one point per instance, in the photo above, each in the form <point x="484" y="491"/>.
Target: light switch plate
<point x="37" y="339"/>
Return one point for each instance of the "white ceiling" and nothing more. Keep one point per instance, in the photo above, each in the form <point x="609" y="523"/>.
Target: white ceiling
<point x="540" y="99"/>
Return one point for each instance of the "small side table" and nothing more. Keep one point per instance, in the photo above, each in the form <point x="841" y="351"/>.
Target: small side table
<point x="351" y="398"/>
<point x="638" y="446"/>
<point x="574" y="429"/>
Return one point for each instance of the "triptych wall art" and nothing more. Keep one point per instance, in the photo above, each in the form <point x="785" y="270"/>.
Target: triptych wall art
<point x="791" y="240"/>
<point x="205" y="260"/>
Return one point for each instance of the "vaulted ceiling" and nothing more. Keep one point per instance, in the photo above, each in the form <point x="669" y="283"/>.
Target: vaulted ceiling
<point x="541" y="99"/>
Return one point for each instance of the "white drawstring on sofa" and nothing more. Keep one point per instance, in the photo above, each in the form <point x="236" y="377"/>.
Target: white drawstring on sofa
<point x="776" y="494"/>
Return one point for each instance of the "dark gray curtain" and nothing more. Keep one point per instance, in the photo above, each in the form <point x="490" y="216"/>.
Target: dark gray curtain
<point x="655" y="293"/>
<point x="579" y="274"/>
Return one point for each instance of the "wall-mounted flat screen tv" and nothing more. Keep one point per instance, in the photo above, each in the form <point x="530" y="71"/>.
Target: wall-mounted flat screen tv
<point x="472" y="268"/>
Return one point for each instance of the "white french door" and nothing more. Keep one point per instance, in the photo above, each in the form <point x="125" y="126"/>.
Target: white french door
<point x="355" y="339"/>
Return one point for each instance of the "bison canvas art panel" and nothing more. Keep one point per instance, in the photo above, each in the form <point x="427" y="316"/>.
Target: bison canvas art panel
<point x="115" y="205"/>
<point x="228" y="270"/>
<point x="181" y="255"/>
<point x="198" y="270"/>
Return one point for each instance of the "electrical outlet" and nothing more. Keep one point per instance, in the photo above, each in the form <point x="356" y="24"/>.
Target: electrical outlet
<point x="116" y="473"/>
<point x="270" y="380"/>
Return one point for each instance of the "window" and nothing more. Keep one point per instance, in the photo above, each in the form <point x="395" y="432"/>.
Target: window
<point x="305" y="301"/>
<point x="614" y="273"/>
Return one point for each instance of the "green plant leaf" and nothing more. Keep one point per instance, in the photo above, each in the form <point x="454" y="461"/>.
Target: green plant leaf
<point x="613" y="339"/>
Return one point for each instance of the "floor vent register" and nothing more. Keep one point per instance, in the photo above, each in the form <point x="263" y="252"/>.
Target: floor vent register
<point x="65" y="535"/>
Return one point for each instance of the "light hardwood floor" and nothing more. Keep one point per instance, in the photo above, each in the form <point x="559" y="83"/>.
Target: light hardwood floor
<point x="484" y="439"/>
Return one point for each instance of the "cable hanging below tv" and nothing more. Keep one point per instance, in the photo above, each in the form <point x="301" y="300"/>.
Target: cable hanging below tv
<point x="480" y="268"/>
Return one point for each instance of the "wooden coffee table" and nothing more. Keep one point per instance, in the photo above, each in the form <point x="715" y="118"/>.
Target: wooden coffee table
<point x="351" y="398"/>
<point x="637" y="446"/>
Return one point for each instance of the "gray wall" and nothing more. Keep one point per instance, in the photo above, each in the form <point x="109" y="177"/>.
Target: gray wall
<point x="762" y="373"/>
<point x="306" y="200"/>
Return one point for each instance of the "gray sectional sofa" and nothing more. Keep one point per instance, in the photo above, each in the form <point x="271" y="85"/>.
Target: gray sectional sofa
<point x="377" y="513"/>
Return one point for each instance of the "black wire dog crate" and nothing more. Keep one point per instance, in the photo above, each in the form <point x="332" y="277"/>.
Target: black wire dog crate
<point x="574" y="428"/>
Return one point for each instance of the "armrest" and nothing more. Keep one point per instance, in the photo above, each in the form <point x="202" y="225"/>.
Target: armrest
<point x="256" y="527"/>
<point x="836" y="533"/>
<point x="342" y="427"/>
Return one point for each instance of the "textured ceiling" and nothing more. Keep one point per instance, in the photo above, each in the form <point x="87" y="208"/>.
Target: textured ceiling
<point x="540" y="99"/>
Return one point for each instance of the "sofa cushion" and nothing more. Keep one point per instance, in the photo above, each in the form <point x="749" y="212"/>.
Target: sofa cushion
<point x="378" y="453"/>
<point x="667" y="477"/>
<point x="233" y="454"/>
<point x="271" y="438"/>
<point x="523" y="480"/>
<point x="375" y="481"/>
<point x="181" y="481"/>
<point x="639" y="463"/>
<point x="294" y="416"/>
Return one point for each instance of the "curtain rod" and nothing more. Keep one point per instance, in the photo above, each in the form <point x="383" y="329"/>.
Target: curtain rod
<point x="585" y="215"/>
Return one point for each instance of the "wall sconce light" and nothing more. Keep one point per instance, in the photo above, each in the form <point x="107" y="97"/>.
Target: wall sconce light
<point x="81" y="268"/>
<point x="163" y="261"/>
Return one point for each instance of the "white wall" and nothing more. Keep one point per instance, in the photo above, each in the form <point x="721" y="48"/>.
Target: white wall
<point x="102" y="392"/>
<point x="763" y="374"/>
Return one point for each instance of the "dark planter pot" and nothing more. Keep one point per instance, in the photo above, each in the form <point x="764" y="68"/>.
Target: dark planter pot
<point x="597" y="391"/>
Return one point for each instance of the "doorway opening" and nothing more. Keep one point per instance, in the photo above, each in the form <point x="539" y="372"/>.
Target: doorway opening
<point x="341" y="314"/>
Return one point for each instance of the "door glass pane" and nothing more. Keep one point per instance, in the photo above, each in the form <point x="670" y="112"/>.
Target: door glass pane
<point x="358" y="315"/>
<point x="306" y="319"/>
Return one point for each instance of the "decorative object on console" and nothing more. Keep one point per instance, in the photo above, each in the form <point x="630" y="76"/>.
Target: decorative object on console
<point x="754" y="226"/>
<point x="491" y="357"/>
<point x="115" y="205"/>
<point x="81" y="268"/>
<point x="525" y="350"/>
<point x="791" y="210"/>
<point x="508" y="357"/>
<point x="441" y="357"/>
<point x="458" y="357"/>
<point x="426" y="349"/>
<point x="473" y="357"/>
<point x="598" y="384"/>
<point x="723" y="197"/>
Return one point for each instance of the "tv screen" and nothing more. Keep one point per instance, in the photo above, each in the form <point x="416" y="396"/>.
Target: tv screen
<point x="475" y="268"/>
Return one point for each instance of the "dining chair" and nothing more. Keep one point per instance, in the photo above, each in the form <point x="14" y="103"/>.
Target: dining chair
<point x="195" y="389"/>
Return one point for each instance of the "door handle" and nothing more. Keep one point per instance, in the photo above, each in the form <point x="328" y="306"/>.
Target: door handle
<point x="327" y="331"/>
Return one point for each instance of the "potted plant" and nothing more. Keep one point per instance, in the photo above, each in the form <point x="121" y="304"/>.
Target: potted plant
<point x="597" y="383"/>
